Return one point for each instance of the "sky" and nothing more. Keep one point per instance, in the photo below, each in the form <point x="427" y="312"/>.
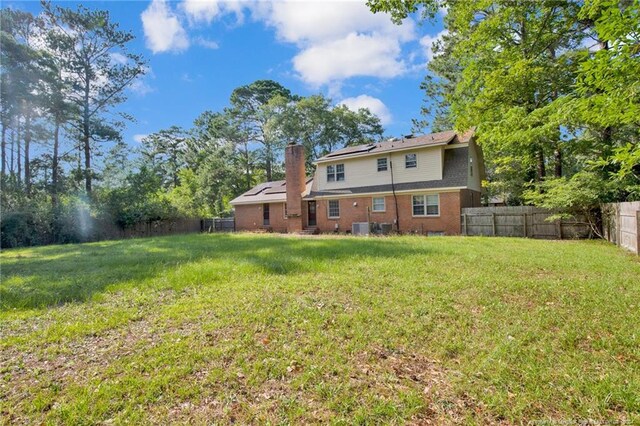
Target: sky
<point x="198" y="51"/>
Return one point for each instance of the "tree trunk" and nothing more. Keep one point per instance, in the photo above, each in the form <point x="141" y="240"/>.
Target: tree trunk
<point x="86" y="135"/>
<point x="19" y="155"/>
<point x="27" y="143"/>
<point x="3" y="148"/>
<point x="174" y="160"/>
<point x="248" y="166"/>
<point x="541" y="172"/>
<point x="557" y="155"/>
<point x="267" y="163"/>
<point x="12" y="169"/>
<point x="54" y="165"/>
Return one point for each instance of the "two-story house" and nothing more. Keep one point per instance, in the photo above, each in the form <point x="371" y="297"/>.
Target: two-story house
<point x="417" y="184"/>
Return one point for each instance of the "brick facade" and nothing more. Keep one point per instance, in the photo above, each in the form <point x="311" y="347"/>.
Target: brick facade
<point x="355" y="209"/>
<point x="249" y="217"/>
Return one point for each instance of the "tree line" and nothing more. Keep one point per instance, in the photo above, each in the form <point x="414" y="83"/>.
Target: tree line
<point x="63" y="159"/>
<point x="552" y="88"/>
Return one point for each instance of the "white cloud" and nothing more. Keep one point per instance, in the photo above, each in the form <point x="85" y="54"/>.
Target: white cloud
<point x="201" y="10"/>
<point x="119" y="58"/>
<point x="316" y="21"/>
<point x="139" y="137"/>
<point x="206" y="43"/>
<point x="162" y="29"/>
<point x="141" y="87"/>
<point x="208" y="10"/>
<point x="427" y="43"/>
<point x="337" y="40"/>
<point x="354" y="55"/>
<point x="375" y="105"/>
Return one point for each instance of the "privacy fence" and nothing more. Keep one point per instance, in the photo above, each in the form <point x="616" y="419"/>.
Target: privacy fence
<point x="110" y="231"/>
<point x="219" y="224"/>
<point x="621" y="224"/>
<point x="521" y="221"/>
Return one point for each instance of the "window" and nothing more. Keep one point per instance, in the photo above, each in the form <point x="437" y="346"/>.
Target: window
<point x="335" y="173"/>
<point x="378" y="204"/>
<point x="433" y="205"/>
<point x="382" y="164"/>
<point x="265" y="214"/>
<point x="410" y="161"/>
<point x="426" y="205"/>
<point x="334" y="209"/>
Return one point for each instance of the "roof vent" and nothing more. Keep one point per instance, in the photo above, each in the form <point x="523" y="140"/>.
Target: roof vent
<point x="409" y="136"/>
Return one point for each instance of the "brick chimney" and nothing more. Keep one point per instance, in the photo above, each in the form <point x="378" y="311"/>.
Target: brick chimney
<point x="296" y="182"/>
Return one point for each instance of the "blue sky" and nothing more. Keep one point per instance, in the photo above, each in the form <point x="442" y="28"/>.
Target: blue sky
<point x="200" y="50"/>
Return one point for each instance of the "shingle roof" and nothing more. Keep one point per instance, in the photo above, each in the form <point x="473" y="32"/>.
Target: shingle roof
<point x="268" y="192"/>
<point x="455" y="174"/>
<point x="434" y="139"/>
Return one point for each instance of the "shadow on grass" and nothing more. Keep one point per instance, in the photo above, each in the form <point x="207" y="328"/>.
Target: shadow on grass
<point x="53" y="275"/>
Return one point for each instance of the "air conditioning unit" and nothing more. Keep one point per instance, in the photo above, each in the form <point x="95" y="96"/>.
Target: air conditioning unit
<point x="386" y="228"/>
<point x="360" y="228"/>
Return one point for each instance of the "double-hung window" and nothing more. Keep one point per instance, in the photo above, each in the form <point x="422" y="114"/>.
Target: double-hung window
<point x="377" y="205"/>
<point x="334" y="209"/>
<point x="382" y="164"/>
<point x="335" y="173"/>
<point x="410" y="161"/>
<point x="426" y="205"/>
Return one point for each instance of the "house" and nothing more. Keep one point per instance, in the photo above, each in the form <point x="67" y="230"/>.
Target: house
<point x="415" y="184"/>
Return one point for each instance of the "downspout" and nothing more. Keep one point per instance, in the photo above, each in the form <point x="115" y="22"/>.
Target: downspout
<point x="395" y="198"/>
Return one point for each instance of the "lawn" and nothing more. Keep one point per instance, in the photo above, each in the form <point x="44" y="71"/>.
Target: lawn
<point x="275" y="329"/>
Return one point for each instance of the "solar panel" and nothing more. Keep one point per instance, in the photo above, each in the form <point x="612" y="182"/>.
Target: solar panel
<point x="352" y="150"/>
<point x="257" y="189"/>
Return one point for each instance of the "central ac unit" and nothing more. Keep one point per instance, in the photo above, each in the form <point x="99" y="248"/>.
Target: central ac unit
<point x="360" y="228"/>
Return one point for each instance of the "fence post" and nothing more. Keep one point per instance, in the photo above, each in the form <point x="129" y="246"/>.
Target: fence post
<point x="493" y="223"/>
<point x="464" y="219"/>
<point x="524" y="216"/>
<point x="638" y="232"/>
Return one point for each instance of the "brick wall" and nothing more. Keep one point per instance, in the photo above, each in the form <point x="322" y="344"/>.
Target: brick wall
<point x="249" y="218"/>
<point x="355" y="210"/>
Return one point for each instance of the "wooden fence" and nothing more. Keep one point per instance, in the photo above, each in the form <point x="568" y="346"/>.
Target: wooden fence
<point x="106" y="230"/>
<point x="219" y="224"/>
<point x="621" y="224"/>
<point x="520" y="221"/>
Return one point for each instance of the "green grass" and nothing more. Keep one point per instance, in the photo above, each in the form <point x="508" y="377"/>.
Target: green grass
<point x="271" y="329"/>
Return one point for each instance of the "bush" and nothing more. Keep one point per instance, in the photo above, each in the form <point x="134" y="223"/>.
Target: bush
<point x="24" y="228"/>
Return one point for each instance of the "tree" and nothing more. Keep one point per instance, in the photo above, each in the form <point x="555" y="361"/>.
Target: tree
<point x="21" y="73"/>
<point x="86" y="41"/>
<point x="166" y="150"/>
<point x="251" y="106"/>
<point x="321" y="127"/>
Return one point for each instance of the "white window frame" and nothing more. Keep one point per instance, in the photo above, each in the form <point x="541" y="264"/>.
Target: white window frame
<point x="329" y="209"/>
<point x="425" y="204"/>
<point x="415" y="161"/>
<point x="373" y="204"/>
<point x="333" y="175"/>
<point x="386" y="164"/>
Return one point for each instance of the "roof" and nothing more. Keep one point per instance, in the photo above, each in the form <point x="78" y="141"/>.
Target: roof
<point x="455" y="174"/>
<point x="268" y="192"/>
<point x="407" y="142"/>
